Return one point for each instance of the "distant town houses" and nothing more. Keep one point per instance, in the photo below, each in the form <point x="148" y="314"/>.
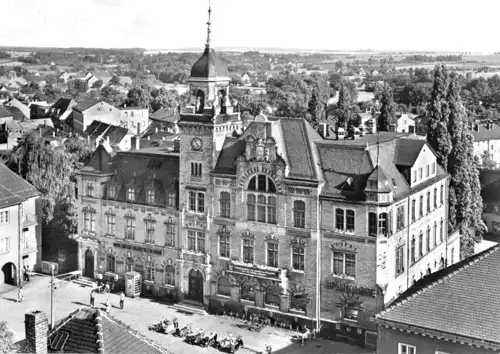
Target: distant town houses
<point x="487" y="140"/>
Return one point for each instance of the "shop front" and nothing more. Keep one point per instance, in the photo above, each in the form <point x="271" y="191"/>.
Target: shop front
<point x="346" y="309"/>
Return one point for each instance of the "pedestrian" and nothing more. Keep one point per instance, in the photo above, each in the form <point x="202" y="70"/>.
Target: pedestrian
<point x="27" y="273"/>
<point x="20" y="294"/>
<point x="108" y="306"/>
<point x="122" y="300"/>
<point x="92" y="298"/>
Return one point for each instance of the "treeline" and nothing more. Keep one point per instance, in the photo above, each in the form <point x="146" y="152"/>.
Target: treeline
<point x="429" y="58"/>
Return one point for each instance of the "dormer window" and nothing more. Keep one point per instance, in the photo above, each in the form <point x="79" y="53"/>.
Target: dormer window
<point x="131" y="194"/>
<point x="112" y="191"/>
<point x="151" y="197"/>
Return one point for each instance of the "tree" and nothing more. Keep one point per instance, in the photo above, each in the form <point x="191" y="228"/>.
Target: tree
<point x="487" y="162"/>
<point x="344" y="106"/>
<point x="139" y="97"/>
<point x="97" y="84"/>
<point x="7" y="344"/>
<point x="164" y="98"/>
<point x="465" y="202"/>
<point x="111" y="96"/>
<point x="388" y="109"/>
<point x="115" y="80"/>
<point x="437" y="132"/>
<point x="316" y="110"/>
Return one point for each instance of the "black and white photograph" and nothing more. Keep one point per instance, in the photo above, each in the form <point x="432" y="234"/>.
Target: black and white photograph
<point x="259" y="177"/>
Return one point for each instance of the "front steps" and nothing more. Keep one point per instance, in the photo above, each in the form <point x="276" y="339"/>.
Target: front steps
<point x="85" y="282"/>
<point x="191" y="307"/>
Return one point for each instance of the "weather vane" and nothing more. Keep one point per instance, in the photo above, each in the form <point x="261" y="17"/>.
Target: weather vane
<point x="209" y="22"/>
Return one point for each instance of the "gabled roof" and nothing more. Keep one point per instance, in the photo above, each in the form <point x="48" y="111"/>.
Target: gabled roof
<point x="63" y="104"/>
<point x="232" y="148"/>
<point x="209" y="66"/>
<point x="484" y="134"/>
<point x="407" y="151"/>
<point x="115" y="134"/>
<point x="457" y="301"/>
<point x="4" y="113"/>
<point x="81" y="331"/>
<point x="165" y="115"/>
<point x="16" y="184"/>
<point x="84" y="105"/>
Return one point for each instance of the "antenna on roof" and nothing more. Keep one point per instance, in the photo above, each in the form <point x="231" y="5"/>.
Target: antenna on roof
<point x="209" y="23"/>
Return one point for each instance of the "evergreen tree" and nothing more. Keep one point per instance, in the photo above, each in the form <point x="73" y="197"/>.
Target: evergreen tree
<point x="465" y="202"/>
<point x="437" y="132"/>
<point x="344" y="106"/>
<point x="388" y="109"/>
<point x="7" y="344"/>
<point x="316" y="109"/>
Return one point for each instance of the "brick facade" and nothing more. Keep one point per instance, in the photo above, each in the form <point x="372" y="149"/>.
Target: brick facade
<point x="36" y="328"/>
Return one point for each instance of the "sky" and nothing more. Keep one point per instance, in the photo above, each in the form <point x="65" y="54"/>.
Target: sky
<point x="434" y="25"/>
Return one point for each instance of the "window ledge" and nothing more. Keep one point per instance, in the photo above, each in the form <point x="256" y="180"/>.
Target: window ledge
<point x="225" y="297"/>
<point x="195" y="253"/>
<point x="297" y="311"/>
<point x="225" y="258"/>
<point x="247" y="302"/>
<point x="169" y="286"/>
<point x="298" y="271"/>
<point x="151" y="282"/>
<point x="270" y="306"/>
<point x="343" y="276"/>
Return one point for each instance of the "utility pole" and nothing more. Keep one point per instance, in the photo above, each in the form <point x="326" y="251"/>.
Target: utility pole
<point x="19" y="248"/>
<point x="52" y="288"/>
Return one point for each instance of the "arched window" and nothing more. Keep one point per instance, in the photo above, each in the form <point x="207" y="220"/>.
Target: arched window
<point x="441" y="237"/>
<point x="129" y="264"/>
<point x="435" y="234"/>
<point x="299" y="214"/>
<point x="261" y="183"/>
<point x="272" y="296"/>
<point x="428" y="201"/>
<point x="421" y="244"/>
<point x="421" y="206"/>
<point x="169" y="275"/>
<point x="339" y="219"/>
<point x="412" y="250"/>
<point x="225" y="204"/>
<point x="248" y="291"/>
<point x="413" y="210"/>
<point x="110" y="263"/>
<point x="435" y="198"/>
<point x="224" y="286"/>
<point x="428" y="239"/>
<point x="441" y="196"/>
<point x="372" y="224"/>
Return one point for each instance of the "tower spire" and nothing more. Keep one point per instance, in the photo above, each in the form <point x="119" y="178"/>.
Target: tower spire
<point x="209" y="23"/>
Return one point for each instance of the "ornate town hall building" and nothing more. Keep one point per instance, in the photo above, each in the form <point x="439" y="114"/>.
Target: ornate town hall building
<point x="267" y="216"/>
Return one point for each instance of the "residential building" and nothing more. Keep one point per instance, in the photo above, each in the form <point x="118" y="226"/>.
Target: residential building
<point x="134" y="118"/>
<point x="165" y="119"/>
<point x="5" y="116"/>
<point x="422" y="124"/>
<point x="405" y="124"/>
<point x="19" y="105"/>
<point x="450" y="311"/>
<point x="86" y="330"/>
<point x="113" y="137"/>
<point x="268" y="217"/>
<point x="490" y="192"/>
<point x="20" y="227"/>
<point x="62" y="108"/>
<point x="487" y="140"/>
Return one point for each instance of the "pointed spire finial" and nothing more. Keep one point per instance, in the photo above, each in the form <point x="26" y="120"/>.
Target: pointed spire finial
<point x="209" y="23"/>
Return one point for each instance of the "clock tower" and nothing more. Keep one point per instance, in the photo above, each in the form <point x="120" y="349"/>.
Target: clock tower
<point x="204" y="123"/>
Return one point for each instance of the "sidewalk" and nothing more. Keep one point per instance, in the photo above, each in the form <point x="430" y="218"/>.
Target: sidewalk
<point x="141" y="312"/>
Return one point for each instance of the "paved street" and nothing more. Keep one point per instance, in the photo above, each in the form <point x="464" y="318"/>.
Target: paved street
<point x="139" y="313"/>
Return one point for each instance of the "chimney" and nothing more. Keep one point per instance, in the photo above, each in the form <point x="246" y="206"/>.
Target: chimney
<point x="177" y="143"/>
<point x="137" y="142"/>
<point x="36" y="329"/>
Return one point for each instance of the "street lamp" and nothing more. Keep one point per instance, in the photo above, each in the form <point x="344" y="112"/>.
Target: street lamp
<point x="52" y="288"/>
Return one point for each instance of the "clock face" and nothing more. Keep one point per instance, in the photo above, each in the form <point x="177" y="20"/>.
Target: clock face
<point x="196" y="144"/>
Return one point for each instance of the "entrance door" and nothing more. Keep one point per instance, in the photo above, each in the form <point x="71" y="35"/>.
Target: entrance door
<point x="89" y="264"/>
<point x="9" y="273"/>
<point x="196" y="285"/>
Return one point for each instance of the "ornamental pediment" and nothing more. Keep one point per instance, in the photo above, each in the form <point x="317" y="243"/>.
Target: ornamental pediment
<point x="344" y="246"/>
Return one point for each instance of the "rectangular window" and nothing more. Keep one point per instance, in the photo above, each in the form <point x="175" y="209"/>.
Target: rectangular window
<point x="298" y="258"/>
<point x="224" y="246"/>
<point x="433" y="167"/>
<point x="90" y="190"/>
<point x="172" y="196"/>
<point x="421" y="244"/>
<point x="169" y="275"/>
<point x="406" y="349"/>
<point x="415" y="176"/>
<point x="192" y="201"/>
<point x="24" y="238"/>
<point x="130" y="229"/>
<point x="251" y="206"/>
<point x="112" y="191"/>
<point x="339" y="219"/>
<point x="196" y="169"/>
<point x="344" y="263"/>
<point x="225" y="204"/>
<point x="4" y="245"/>
<point x="272" y="254"/>
<point x="170" y="235"/>
<point x="427" y="171"/>
<point x="196" y="241"/>
<point x="421" y="172"/>
<point x="131" y="194"/>
<point x="4" y="217"/>
<point x="89" y="222"/>
<point x="349" y="220"/>
<point x="372" y="224"/>
<point x="110" y="225"/>
<point x="261" y="208"/>
<point x="428" y="201"/>
<point x="201" y="203"/>
<point x="299" y="214"/>
<point x="400" y="217"/>
<point x="435" y="198"/>
<point x="248" y="250"/>
<point x="421" y="206"/>
<point x="150" y="271"/>
<point x="150" y="233"/>
<point x="151" y="197"/>
<point x="400" y="268"/>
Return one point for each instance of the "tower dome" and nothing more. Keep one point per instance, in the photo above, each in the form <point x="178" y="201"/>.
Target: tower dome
<point x="209" y="66"/>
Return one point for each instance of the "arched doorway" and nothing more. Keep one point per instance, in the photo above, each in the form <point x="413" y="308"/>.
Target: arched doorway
<point x="9" y="273"/>
<point x="89" y="264"/>
<point x="196" y="285"/>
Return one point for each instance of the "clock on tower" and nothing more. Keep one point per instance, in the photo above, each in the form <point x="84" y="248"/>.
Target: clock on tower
<point x="196" y="144"/>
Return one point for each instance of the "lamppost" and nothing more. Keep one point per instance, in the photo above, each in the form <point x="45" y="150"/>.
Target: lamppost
<point x="52" y="288"/>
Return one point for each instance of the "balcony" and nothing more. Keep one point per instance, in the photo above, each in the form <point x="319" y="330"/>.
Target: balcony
<point x="30" y="220"/>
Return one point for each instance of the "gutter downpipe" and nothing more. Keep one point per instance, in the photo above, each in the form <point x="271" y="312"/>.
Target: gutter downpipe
<point x="19" y="233"/>
<point x="318" y="259"/>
